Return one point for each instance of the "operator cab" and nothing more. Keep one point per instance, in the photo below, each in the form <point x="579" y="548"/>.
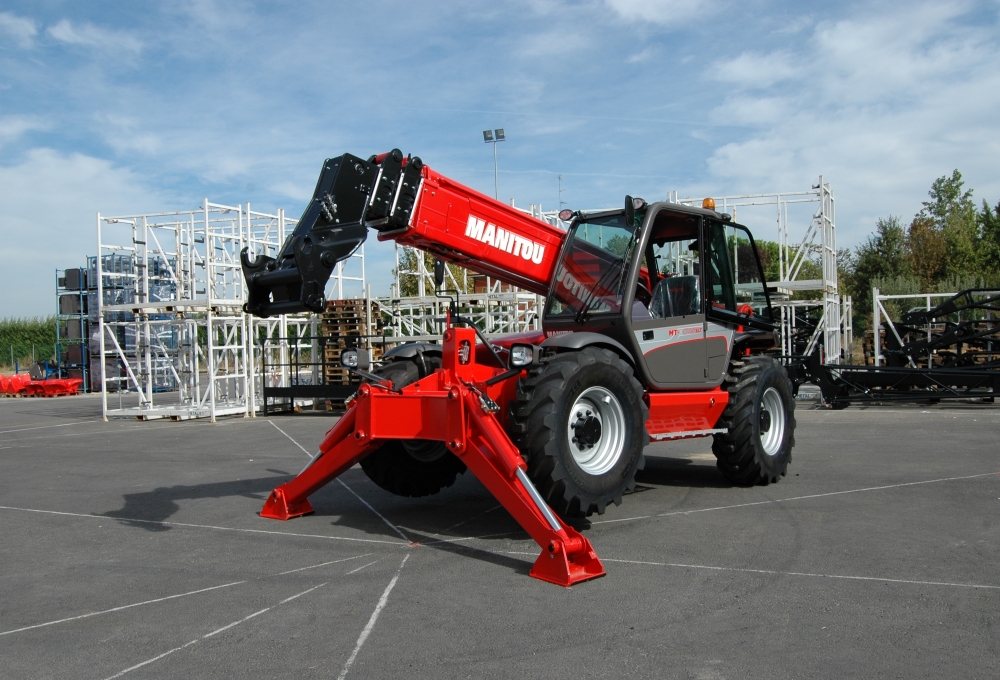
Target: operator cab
<point x="677" y="287"/>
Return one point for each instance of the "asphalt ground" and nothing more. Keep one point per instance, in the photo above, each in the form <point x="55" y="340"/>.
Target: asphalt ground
<point x="133" y="549"/>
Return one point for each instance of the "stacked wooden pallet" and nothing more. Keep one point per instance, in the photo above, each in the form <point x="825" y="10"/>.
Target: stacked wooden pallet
<point x="345" y="323"/>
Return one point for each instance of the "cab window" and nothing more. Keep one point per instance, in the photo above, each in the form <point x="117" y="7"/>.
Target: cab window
<point x="672" y="259"/>
<point x="722" y="287"/>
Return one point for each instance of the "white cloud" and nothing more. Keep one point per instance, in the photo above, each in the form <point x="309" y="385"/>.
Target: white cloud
<point x="19" y="29"/>
<point x="49" y="201"/>
<point x="640" y="56"/>
<point x="88" y="35"/>
<point x="880" y="103"/>
<point x="666" y="12"/>
<point x="14" y="127"/>
<point x="753" y="69"/>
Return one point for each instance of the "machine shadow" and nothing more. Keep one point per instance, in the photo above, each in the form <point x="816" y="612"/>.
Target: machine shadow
<point x="158" y="505"/>
<point x="498" y="559"/>
<point x="663" y="471"/>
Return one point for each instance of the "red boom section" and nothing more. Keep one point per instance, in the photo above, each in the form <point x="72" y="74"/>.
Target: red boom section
<point x="447" y="406"/>
<point x="461" y="225"/>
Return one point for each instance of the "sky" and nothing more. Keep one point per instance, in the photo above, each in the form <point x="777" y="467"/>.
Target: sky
<point x="125" y="107"/>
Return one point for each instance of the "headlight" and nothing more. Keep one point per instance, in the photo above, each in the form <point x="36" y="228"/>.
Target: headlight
<point x="521" y="355"/>
<point x="349" y="358"/>
<point x="355" y="359"/>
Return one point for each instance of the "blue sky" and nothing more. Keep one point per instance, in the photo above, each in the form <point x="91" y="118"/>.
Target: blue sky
<point x="136" y="107"/>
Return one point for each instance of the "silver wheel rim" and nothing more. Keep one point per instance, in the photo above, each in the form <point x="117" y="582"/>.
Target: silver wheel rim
<point x="774" y="434"/>
<point x="596" y="454"/>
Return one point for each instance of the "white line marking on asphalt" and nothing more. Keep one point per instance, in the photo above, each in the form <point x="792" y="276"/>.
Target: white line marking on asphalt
<point x="304" y="592"/>
<point x="469" y="519"/>
<point x="46" y="427"/>
<point x="371" y="621"/>
<point x="379" y="514"/>
<point x="354" y="571"/>
<point x="206" y="526"/>
<point x="623" y="519"/>
<point x="290" y="438"/>
<point x="208" y="635"/>
<point x="316" y="566"/>
<point x="149" y="661"/>
<point x="799" y="573"/>
<point x="475" y="538"/>
<point x="235" y="623"/>
<point x="118" y="609"/>
<point x="832" y="493"/>
<point x="147" y="428"/>
<point x="799" y="498"/>
<point x="341" y="482"/>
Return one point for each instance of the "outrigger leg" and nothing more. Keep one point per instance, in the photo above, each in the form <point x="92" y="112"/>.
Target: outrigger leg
<point x="445" y="406"/>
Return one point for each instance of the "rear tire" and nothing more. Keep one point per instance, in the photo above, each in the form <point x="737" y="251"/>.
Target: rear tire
<point x="580" y="422"/>
<point x="417" y="467"/>
<point x="760" y="419"/>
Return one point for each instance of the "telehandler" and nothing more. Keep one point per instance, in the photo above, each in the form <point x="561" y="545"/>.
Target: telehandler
<point x="647" y="336"/>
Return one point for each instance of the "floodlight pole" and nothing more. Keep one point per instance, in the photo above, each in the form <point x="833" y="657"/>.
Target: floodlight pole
<point x="496" y="180"/>
<point x="490" y="138"/>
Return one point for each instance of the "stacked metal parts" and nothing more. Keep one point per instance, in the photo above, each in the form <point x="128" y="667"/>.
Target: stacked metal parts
<point x="72" y="324"/>
<point x="950" y="350"/>
<point x="963" y="331"/>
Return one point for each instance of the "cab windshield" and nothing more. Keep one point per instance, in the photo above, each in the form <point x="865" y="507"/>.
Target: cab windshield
<point x="592" y="273"/>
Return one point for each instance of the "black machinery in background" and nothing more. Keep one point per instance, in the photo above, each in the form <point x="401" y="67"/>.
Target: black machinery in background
<point x="951" y="351"/>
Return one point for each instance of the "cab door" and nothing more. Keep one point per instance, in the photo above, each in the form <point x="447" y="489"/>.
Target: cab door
<point x="721" y="288"/>
<point x="669" y="324"/>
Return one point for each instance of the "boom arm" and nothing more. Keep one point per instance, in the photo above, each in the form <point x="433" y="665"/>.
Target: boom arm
<point x="408" y="202"/>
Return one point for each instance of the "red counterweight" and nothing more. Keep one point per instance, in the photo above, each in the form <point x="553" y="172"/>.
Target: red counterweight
<point x="450" y="405"/>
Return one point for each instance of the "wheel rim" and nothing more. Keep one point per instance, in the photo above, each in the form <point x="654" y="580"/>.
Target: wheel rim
<point x="772" y="421"/>
<point x="596" y="430"/>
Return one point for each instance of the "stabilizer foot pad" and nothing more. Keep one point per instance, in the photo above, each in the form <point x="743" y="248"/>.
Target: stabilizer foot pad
<point x="557" y="565"/>
<point x="277" y="507"/>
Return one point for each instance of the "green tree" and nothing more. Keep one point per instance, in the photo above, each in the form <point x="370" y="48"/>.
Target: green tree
<point x="952" y="216"/>
<point x="883" y="255"/>
<point x="19" y="336"/>
<point x="989" y="243"/>
<point x="928" y="251"/>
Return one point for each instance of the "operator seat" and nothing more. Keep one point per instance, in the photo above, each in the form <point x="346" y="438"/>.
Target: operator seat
<point x="676" y="296"/>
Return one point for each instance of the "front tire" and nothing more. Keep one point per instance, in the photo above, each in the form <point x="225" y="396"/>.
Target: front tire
<point x="416" y="467"/>
<point x="580" y="422"/>
<point x="760" y="423"/>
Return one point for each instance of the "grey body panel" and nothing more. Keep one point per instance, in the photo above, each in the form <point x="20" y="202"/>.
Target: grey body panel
<point x="581" y="339"/>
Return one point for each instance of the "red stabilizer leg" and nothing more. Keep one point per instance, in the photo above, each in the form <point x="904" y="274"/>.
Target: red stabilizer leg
<point x="567" y="557"/>
<point x="341" y="449"/>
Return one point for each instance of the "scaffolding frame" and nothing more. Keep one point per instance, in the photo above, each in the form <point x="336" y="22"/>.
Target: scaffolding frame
<point x="819" y="237"/>
<point x="183" y="329"/>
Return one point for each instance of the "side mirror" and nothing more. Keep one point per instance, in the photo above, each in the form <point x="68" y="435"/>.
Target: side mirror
<point x="438" y="274"/>
<point x="629" y="212"/>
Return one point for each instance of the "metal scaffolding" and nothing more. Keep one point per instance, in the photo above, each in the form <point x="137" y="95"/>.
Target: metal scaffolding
<point x="818" y="245"/>
<point x="170" y="294"/>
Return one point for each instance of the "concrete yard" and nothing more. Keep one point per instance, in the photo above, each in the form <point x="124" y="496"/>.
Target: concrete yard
<point x="134" y="549"/>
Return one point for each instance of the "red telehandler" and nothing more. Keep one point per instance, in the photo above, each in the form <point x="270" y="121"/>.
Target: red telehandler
<point x="648" y="336"/>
